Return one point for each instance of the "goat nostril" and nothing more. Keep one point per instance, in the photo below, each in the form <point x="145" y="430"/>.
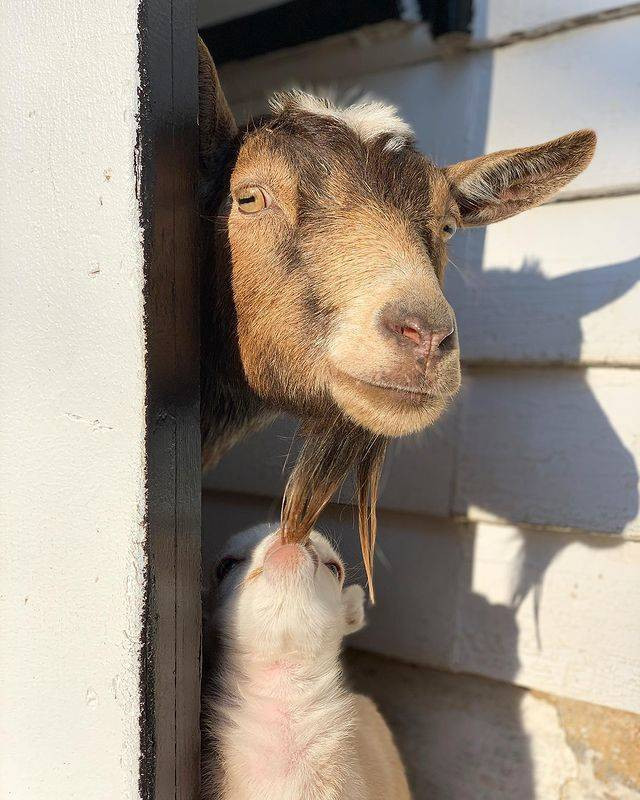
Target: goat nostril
<point x="427" y="335"/>
<point x="411" y="333"/>
<point x="409" y="330"/>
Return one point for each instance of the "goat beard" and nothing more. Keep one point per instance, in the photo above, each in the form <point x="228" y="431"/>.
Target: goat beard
<point x="329" y="453"/>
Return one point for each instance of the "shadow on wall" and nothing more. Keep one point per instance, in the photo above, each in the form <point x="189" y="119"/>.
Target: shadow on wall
<point x="590" y="472"/>
<point x="557" y="453"/>
<point x="602" y="486"/>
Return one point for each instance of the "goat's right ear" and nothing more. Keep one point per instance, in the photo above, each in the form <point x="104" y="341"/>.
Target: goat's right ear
<point x="353" y="605"/>
<point x="215" y="121"/>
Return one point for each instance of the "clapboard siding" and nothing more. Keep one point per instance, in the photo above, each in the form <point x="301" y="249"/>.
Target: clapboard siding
<point x="419" y="472"/>
<point x="496" y="18"/>
<point x="474" y="103"/>
<point x="357" y="53"/>
<point x="534" y="446"/>
<point x="508" y="531"/>
<point x="578" y="79"/>
<point x="560" y="283"/>
<point x="546" y="610"/>
<point x="551" y="447"/>
<point x="552" y="612"/>
<point x="259" y="463"/>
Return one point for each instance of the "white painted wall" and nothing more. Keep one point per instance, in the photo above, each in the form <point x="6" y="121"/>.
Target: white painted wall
<point x="72" y="402"/>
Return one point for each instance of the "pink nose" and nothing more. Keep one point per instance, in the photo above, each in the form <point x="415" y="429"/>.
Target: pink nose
<point x="284" y="559"/>
<point x="427" y="341"/>
<point x="284" y="556"/>
<point x="421" y="337"/>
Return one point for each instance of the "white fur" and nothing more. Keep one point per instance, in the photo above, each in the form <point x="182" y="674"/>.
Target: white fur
<point x="283" y="724"/>
<point x="369" y="118"/>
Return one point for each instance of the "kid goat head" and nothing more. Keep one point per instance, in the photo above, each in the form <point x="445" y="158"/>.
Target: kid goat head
<point x="330" y="246"/>
<point x="279" y="601"/>
<point x="278" y="721"/>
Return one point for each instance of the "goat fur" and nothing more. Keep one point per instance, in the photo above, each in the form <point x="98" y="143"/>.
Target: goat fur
<point x="279" y="720"/>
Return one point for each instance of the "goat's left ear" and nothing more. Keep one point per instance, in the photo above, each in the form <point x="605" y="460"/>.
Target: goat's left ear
<point x="499" y="185"/>
<point x="353" y="606"/>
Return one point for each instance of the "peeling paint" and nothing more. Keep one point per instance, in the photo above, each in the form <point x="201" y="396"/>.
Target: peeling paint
<point x="94" y="424"/>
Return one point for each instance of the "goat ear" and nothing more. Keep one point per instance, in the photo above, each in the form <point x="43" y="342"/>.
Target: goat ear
<point x="499" y="185"/>
<point x="353" y="605"/>
<point x="215" y="121"/>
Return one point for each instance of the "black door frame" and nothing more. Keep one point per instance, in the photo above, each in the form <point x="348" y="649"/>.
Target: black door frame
<point x="166" y="165"/>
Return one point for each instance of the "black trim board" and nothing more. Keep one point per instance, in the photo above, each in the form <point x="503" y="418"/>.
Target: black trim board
<point x="299" y="21"/>
<point x="166" y="163"/>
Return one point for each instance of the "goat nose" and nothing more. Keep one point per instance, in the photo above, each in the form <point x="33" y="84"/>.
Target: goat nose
<point x="425" y="341"/>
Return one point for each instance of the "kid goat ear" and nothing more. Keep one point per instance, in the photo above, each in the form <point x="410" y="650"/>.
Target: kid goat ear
<point x="496" y="186"/>
<point x="353" y="604"/>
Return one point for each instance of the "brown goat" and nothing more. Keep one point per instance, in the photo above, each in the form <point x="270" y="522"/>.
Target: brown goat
<point x="322" y="268"/>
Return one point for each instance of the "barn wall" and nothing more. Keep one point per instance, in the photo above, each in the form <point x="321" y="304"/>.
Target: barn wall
<point x="509" y="532"/>
<point x="72" y="402"/>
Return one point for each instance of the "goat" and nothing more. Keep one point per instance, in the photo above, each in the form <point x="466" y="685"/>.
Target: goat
<point x="323" y="264"/>
<point x="279" y="723"/>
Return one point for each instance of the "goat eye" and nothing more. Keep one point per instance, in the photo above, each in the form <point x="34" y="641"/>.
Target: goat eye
<point x="334" y="567"/>
<point x="225" y="566"/>
<point x="448" y="229"/>
<point x="252" y="199"/>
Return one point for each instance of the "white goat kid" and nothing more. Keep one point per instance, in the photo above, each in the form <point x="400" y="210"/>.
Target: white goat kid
<point x="280" y="722"/>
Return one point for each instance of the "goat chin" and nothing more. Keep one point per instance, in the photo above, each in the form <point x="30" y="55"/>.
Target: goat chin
<point x="279" y="722"/>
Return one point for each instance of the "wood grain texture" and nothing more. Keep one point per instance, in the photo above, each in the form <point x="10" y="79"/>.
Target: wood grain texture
<point x="167" y="156"/>
<point x="545" y="610"/>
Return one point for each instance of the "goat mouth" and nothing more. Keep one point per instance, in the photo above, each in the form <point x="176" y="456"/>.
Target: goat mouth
<point x="409" y="393"/>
